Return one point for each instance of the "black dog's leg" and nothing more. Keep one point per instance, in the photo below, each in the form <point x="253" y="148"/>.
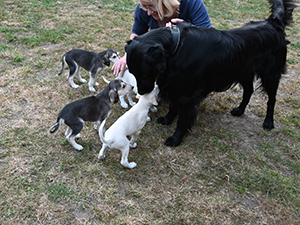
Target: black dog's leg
<point x="186" y="118"/>
<point x="248" y="90"/>
<point x="168" y="119"/>
<point x="270" y="87"/>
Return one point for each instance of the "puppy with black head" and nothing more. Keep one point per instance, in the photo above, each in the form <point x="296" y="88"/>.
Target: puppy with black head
<point x="90" y="61"/>
<point x="93" y="109"/>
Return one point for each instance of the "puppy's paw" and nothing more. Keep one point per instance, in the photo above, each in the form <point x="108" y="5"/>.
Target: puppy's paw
<point x="130" y="165"/>
<point x="78" y="147"/>
<point x="101" y="156"/>
<point x="133" y="145"/>
<point x="124" y="105"/>
<point x="75" y="86"/>
<point x="132" y="103"/>
<point x="83" y="81"/>
<point x="237" y="112"/>
<point x="92" y="89"/>
<point x="148" y="119"/>
<point x="78" y="136"/>
<point x="172" y="142"/>
<point x="96" y="84"/>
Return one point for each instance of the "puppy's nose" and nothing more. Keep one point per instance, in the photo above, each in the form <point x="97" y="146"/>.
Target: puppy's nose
<point x="132" y="87"/>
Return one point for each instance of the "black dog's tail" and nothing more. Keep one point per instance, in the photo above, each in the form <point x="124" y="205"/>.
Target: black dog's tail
<point x="63" y="62"/>
<point x="282" y="10"/>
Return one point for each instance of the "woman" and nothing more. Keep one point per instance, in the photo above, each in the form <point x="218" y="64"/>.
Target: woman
<point x="157" y="13"/>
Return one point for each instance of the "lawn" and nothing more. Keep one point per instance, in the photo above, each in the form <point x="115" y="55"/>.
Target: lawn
<point x="228" y="170"/>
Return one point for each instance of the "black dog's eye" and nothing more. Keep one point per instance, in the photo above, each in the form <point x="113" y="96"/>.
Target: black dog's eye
<point x="123" y="85"/>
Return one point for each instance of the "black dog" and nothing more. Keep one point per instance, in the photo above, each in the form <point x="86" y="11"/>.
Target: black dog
<point x="203" y="60"/>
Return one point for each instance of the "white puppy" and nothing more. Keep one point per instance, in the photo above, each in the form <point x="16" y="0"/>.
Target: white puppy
<point x="129" y="124"/>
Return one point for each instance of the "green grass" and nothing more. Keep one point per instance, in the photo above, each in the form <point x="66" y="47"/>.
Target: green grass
<point x="227" y="171"/>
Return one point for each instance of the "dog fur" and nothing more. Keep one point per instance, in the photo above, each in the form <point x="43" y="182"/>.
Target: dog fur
<point x="129" y="124"/>
<point x="210" y="60"/>
<point x="93" y="109"/>
<point x="90" y="61"/>
<point x="129" y="79"/>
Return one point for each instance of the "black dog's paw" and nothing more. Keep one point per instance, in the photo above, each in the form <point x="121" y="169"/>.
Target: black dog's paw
<point x="237" y="112"/>
<point x="172" y="142"/>
<point x="268" y="125"/>
<point x="163" y="120"/>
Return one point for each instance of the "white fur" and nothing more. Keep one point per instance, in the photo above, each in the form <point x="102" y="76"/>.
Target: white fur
<point x="72" y="118"/>
<point x="129" y="78"/>
<point x="129" y="124"/>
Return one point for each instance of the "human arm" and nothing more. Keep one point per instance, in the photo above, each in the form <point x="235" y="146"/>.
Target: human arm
<point x="194" y="12"/>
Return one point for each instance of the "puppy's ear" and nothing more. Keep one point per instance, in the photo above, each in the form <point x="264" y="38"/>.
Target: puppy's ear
<point x="156" y="56"/>
<point x="113" y="96"/>
<point x="128" y="42"/>
<point x="106" y="60"/>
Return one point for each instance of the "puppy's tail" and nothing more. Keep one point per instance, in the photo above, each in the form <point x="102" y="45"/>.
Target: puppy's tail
<point x="63" y="62"/>
<point x="101" y="133"/>
<point x="282" y="10"/>
<point x="105" y="80"/>
<point x="55" y="127"/>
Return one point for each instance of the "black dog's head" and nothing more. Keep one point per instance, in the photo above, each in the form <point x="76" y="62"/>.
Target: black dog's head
<point x="147" y="58"/>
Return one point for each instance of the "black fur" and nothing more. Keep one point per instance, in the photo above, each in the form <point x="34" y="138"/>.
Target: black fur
<point x="210" y="60"/>
<point x="90" y="61"/>
<point x="94" y="108"/>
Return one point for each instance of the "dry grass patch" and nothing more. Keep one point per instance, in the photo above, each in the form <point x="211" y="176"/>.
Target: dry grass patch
<point x="227" y="171"/>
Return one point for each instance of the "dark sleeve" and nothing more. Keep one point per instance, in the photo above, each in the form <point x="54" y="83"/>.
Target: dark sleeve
<point x="195" y="12"/>
<point x="140" y="25"/>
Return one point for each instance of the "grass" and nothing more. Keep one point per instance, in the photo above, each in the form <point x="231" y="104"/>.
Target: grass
<point x="227" y="171"/>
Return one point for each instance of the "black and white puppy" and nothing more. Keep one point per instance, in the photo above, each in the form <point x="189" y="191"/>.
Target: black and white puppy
<point x="198" y="61"/>
<point x="93" y="109"/>
<point x="90" y="61"/>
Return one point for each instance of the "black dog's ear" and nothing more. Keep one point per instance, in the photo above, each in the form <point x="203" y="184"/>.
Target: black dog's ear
<point x="128" y="41"/>
<point x="156" y="56"/>
<point x="113" y="96"/>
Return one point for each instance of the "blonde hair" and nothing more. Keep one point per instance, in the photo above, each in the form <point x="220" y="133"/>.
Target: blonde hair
<point x="166" y="8"/>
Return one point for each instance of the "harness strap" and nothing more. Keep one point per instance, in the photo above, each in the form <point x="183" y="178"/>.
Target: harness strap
<point x="176" y="36"/>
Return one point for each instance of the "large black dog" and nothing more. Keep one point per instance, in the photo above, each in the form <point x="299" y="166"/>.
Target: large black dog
<point x="204" y="60"/>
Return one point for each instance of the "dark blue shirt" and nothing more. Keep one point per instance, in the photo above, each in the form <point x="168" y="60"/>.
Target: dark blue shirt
<point x="193" y="11"/>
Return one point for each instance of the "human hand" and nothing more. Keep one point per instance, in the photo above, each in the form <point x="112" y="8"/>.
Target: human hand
<point x="119" y="66"/>
<point x="176" y="20"/>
